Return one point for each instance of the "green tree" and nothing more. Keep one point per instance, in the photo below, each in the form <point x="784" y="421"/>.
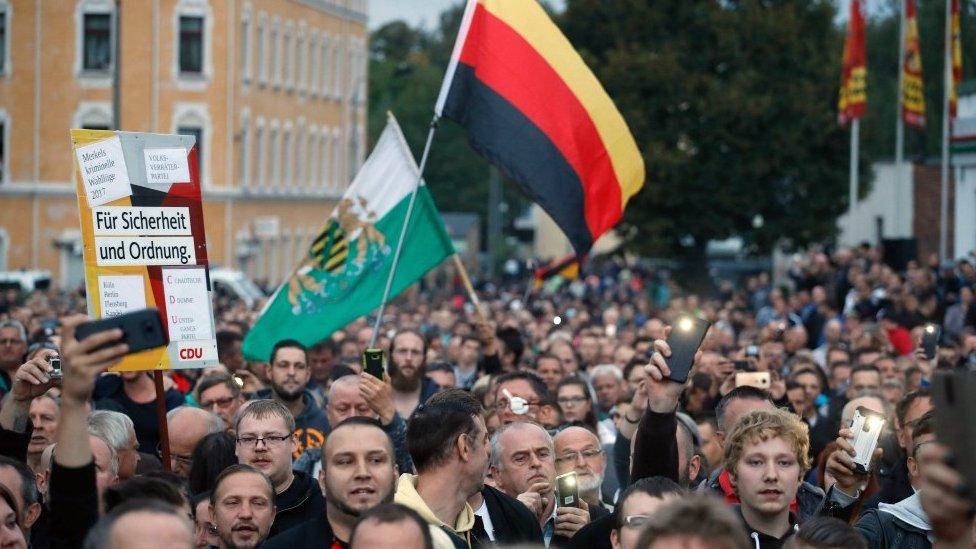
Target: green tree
<point x="406" y="68"/>
<point x="733" y="105"/>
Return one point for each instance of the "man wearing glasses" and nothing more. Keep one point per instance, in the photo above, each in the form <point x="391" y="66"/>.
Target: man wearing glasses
<point x="220" y="394"/>
<point x="289" y="375"/>
<point x="578" y="449"/>
<point x="635" y="507"/>
<point x="523" y="465"/>
<point x="265" y="441"/>
<point x="13" y="347"/>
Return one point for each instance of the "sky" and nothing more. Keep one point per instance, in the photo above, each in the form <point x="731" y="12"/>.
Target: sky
<point x="415" y="12"/>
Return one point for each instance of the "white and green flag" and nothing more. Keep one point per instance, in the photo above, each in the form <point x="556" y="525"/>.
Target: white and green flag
<point x="343" y="275"/>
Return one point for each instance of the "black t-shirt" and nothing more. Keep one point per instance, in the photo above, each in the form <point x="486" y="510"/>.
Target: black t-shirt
<point x="110" y="394"/>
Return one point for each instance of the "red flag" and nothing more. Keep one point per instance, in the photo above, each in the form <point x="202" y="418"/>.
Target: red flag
<point x="912" y="89"/>
<point x="956" y="60"/>
<point x="853" y="82"/>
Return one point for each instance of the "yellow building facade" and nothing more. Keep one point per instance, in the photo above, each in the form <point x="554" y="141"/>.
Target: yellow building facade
<point x="274" y="91"/>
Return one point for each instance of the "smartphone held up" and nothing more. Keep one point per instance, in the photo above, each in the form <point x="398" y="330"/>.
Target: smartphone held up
<point x="686" y="337"/>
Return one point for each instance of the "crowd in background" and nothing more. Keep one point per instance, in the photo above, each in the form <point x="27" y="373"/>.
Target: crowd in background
<point x="459" y="444"/>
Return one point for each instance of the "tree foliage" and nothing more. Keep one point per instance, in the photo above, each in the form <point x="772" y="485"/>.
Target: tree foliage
<point x="733" y="104"/>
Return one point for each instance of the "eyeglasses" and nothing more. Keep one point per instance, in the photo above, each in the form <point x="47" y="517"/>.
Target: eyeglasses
<point x="570" y="457"/>
<point x="220" y="402"/>
<point x="11" y="342"/>
<point x="182" y="459"/>
<point x="571" y="400"/>
<point x="269" y="440"/>
<point x="635" y="521"/>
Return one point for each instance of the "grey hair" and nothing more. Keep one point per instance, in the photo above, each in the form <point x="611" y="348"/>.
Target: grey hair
<point x="113" y="463"/>
<point x="607" y="369"/>
<point x="496" y="441"/>
<point x="214" y="423"/>
<point x="21" y="332"/>
<point x="112" y="426"/>
<point x="100" y="535"/>
<point x="847" y="414"/>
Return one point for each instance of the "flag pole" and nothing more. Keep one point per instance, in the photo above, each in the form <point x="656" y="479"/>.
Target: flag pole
<point x="403" y="232"/>
<point x="466" y="280"/>
<point x="855" y="150"/>
<point x="944" y="199"/>
<point x="899" y="119"/>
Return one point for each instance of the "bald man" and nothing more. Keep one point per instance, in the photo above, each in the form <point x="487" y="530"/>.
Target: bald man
<point x="187" y="427"/>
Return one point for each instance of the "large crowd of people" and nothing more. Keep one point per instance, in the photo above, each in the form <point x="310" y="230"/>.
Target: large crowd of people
<point x="483" y="413"/>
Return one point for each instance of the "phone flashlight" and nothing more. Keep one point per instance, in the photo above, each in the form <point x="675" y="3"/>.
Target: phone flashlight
<point x="685" y="324"/>
<point x="557" y="320"/>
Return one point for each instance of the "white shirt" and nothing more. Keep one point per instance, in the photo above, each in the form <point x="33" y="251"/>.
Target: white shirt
<point x="486" y="520"/>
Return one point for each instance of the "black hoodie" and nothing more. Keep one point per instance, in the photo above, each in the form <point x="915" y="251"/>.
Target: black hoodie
<point x="301" y="501"/>
<point x="760" y="540"/>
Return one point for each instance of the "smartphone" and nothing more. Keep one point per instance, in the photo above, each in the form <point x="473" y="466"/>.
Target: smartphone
<point x="742" y="366"/>
<point x="759" y="380"/>
<point x="373" y="362"/>
<point x="953" y="393"/>
<point x="567" y="490"/>
<point x="686" y="337"/>
<point x="752" y="351"/>
<point x="141" y="330"/>
<point x="867" y="426"/>
<point x="930" y="338"/>
<point x="55" y="362"/>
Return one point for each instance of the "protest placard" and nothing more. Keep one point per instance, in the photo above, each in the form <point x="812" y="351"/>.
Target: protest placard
<point x="144" y="243"/>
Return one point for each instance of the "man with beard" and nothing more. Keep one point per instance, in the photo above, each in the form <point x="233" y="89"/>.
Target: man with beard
<point x="265" y="440"/>
<point x="242" y="506"/>
<point x="408" y="372"/>
<point x="358" y="473"/>
<point x="579" y="450"/>
<point x="289" y="374"/>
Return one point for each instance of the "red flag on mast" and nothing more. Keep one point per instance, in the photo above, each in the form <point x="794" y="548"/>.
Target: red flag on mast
<point x="912" y="88"/>
<point x="853" y="83"/>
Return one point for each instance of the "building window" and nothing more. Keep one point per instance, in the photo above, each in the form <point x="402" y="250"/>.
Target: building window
<point x="289" y="159"/>
<point x="302" y="60"/>
<point x="197" y="133"/>
<point x="262" y="44"/>
<point x="326" y="70"/>
<point x="261" y="140"/>
<point x="301" y="153"/>
<point x="97" y="42"/>
<point x="246" y="48"/>
<point x="3" y="150"/>
<point x="288" y="52"/>
<point x="245" y="150"/>
<point x="338" y="52"/>
<point x="314" y="158"/>
<point x="337" y="175"/>
<point x="191" y="44"/>
<point x="275" y="182"/>
<point x="312" y="84"/>
<point x="4" y="32"/>
<point x="274" y="69"/>
<point x="324" y="177"/>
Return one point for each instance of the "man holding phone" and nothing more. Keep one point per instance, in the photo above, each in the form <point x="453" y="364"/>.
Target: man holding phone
<point x="524" y="467"/>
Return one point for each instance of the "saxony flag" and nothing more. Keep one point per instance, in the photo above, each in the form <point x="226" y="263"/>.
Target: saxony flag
<point x="343" y="275"/>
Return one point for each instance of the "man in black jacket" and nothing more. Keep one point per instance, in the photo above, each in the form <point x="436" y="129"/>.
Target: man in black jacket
<point x="358" y="473"/>
<point x="289" y="374"/>
<point x="265" y="440"/>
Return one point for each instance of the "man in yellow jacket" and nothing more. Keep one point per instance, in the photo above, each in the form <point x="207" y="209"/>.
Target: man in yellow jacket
<point x="448" y="441"/>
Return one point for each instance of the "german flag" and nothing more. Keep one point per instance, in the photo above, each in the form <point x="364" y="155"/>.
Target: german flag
<point x="567" y="267"/>
<point x="532" y="107"/>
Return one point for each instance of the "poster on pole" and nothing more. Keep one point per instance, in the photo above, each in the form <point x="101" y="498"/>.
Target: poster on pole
<point x="144" y="244"/>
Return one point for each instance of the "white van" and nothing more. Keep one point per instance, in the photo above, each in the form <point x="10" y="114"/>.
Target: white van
<point x="235" y="284"/>
<point x="25" y="281"/>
